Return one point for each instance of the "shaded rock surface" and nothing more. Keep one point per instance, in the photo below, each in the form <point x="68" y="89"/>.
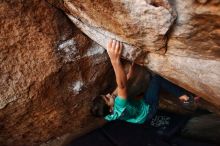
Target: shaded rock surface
<point x="190" y="56"/>
<point x="198" y="128"/>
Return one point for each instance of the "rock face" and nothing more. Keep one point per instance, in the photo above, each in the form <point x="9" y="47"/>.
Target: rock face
<point x="196" y="126"/>
<point x="190" y="57"/>
<point x="130" y="21"/>
<point x="48" y="72"/>
<point x="196" y="32"/>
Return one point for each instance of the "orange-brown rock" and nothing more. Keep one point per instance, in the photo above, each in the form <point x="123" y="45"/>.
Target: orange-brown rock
<point x="140" y="23"/>
<point x="49" y="72"/>
<point x="190" y="57"/>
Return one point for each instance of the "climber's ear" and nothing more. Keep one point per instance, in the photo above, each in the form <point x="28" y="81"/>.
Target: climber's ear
<point x="111" y="109"/>
<point x="105" y="98"/>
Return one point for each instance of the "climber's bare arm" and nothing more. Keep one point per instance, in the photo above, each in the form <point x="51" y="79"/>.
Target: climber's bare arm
<point x="129" y="75"/>
<point x="131" y="71"/>
<point x="114" y="49"/>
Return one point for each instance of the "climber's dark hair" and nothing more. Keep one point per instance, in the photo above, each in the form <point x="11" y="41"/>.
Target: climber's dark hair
<point x="99" y="107"/>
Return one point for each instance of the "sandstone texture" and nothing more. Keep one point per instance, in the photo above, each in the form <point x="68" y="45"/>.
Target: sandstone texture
<point x="196" y="32"/>
<point x="49" y="72"/>
<point x="140" y="23"/>
<point x="195" y="40"/>
<point x="180" y="38"/>
<point x="101" y="20"/>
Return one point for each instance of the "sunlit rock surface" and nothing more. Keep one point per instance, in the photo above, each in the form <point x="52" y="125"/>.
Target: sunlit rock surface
<point x="196" y="32"/>
<point x="189" y="57"/>
<point x="50" y="71"/>
<point x="140" y="23"/>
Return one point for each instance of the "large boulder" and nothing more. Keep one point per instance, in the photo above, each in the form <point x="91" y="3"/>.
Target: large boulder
<point x="140" y="23"/>
<point x="49" y="72"/>
<point x="188" y="57"/>
<point x="204" y="127"/>
<point x="192" y="59"/>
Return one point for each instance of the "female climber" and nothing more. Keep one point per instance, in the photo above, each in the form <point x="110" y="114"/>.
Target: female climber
<point x="128" y="108"/>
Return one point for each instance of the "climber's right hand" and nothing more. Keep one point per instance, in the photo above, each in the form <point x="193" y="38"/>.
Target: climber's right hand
<point x="114" y="49"/>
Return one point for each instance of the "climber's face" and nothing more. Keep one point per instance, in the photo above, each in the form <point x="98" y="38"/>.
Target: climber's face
<point x="109" y="100"/>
